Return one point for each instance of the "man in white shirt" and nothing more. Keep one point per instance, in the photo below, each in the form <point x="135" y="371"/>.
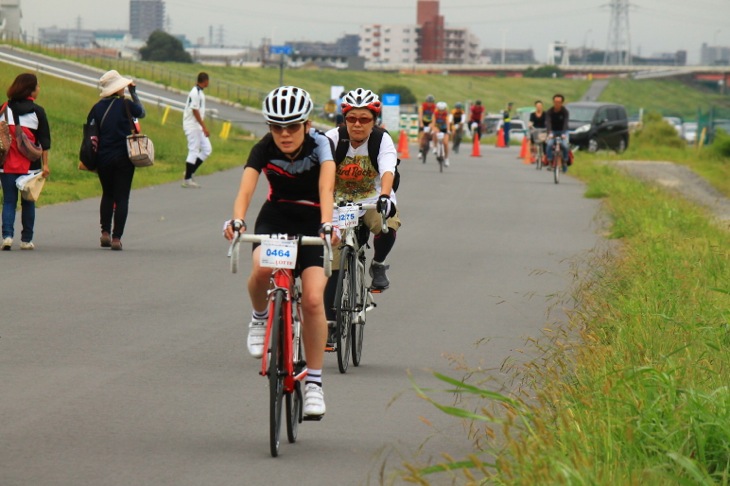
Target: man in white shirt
<point x="199" y="147"/>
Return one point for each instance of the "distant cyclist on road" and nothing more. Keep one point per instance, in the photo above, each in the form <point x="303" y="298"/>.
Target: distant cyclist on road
<point x="298" y="163"/>
<point x="476" y="118"/>
<point x="556" y="123"/>
<point x="456" y="127"/>
<point x="425" y="118"/>
<point x="441" y="124"/>
<point x="537" y="122"/>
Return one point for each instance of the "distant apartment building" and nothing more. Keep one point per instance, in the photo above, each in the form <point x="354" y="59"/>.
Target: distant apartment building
<point x="145" y="17"/>
<point x="715" y="55"/>
<point x="10" y="19"/>
<point x="389" y="44"/>
<point x="427" y="41"/>
<point x="460" y="46"/>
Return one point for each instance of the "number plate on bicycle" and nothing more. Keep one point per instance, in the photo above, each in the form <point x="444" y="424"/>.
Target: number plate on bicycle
<point x="347" y="216"/>
<point x="277" y="253"/>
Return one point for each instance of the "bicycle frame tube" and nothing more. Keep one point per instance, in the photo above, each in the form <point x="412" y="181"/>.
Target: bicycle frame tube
<point x="282" y="280"/>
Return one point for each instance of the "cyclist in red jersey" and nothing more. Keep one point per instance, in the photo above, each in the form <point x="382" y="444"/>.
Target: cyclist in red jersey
<point x="476" y="116"/>
<point x="425" y="117"/>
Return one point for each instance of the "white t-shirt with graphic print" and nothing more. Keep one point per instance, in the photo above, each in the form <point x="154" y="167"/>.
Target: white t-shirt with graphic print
<point x="356" y="177"/>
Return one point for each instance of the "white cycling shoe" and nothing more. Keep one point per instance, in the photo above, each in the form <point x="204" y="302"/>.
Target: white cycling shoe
<point x="255" y="341"/>
<point x="313" y="400"/>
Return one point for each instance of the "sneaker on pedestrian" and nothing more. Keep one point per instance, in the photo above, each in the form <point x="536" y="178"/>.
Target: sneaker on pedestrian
<point x="7" y="243"/>
<point x="105" y="239"/>
<point x="116" y="244"/>
<point x="256" y="334"/>
<point x="27" y="245"/>
<point x="380" y="279"/>
<point x="313" y="400"/>
<point x="190" y="183"/>
<point x="446" y="162"/>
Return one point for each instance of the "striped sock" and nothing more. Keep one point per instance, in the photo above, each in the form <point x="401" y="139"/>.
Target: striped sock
<point x="314" y="376"/>
<point x="260" y="316"/>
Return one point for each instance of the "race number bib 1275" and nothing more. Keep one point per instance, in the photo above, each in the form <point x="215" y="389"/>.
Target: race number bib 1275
<point x="276" y="253"/>
<point x="347" y="216"/>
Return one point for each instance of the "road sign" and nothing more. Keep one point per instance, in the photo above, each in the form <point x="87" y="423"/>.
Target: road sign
<point x="280" y="50"/>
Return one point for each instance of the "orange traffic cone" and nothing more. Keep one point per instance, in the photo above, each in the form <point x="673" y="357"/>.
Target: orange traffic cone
<point x="525" y="152"/>
<point x="403" y="145"/>
<point x="476" y="149"/>
<point x="500" y="138"/>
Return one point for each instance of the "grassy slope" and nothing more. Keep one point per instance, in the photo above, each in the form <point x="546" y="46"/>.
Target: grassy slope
<point x="67" y="105"/>
<point x="666" y="96"/>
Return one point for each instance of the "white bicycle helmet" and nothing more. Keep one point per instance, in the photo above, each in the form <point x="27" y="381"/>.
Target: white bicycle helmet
<point x="361" y="98"/>
<point x="287" y="105"/>
<point x="441" y="105"/>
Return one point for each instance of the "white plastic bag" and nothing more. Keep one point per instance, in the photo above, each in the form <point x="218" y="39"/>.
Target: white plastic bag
<point x="31" y="185"/>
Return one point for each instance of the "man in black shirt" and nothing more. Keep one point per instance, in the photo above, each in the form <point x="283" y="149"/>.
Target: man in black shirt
<point x="556" y="122"/>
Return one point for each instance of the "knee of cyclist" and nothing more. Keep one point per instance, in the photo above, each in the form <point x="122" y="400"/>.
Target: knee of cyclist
<point x="312" y="302"/>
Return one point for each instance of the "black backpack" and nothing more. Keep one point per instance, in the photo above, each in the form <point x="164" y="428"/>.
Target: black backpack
<point x="376" y="136"/>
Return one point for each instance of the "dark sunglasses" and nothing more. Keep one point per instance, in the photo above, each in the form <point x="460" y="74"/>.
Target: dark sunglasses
<point x="364" y="120"/>
<point x="279" y="129"/>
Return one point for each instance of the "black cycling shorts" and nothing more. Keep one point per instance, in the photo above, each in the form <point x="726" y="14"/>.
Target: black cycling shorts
<point x="292" y="219"/>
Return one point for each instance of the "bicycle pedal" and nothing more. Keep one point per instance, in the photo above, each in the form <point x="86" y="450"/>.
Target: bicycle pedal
<point x="312" y="418"/>
<point x="376" y="291"/>
<point x="330" y="349"/>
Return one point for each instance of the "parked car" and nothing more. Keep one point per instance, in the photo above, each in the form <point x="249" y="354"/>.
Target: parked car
<point x="690" y="132"/>
<point x="491" y="122"/>
<point x="517" y="130"/>
<point x="595" y="125"/>
<point x="676" y="122"/>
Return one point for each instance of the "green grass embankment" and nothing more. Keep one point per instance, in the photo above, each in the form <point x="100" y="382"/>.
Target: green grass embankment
<point x="67" y="105"/>
<point x="632" y="391"/>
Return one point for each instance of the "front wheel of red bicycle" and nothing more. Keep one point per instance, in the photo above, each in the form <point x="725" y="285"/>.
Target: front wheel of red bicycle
<point x="276" y="373"/>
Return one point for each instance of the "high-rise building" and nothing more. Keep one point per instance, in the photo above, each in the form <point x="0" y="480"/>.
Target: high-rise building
<point x="10" y="19"/>
<point x="145" y="17"/>
<point x="431" y="39"/>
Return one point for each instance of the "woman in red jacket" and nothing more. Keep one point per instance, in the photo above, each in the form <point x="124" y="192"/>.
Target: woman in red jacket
<point x="23" y="114"/>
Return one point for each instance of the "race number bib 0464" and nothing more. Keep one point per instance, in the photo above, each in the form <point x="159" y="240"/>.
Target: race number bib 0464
<point x="347" y="216"/>
<point x="276" y="253"/>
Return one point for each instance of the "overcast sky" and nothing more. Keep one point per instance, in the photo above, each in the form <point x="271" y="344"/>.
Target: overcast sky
<point x="655" y="25"/>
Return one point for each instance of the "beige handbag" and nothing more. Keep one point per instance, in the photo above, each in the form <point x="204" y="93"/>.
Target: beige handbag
<point x="140" y="148"/>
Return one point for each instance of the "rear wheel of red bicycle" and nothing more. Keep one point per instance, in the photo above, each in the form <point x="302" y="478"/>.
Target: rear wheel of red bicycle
<point x="276" y="373"/>
<point x="345" y="303"/>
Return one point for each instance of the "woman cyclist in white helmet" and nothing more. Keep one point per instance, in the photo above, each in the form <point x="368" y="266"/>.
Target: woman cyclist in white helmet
<point x="299" y="166"/>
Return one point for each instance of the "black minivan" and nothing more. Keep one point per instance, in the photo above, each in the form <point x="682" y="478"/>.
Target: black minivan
<point x="597" y="126"/>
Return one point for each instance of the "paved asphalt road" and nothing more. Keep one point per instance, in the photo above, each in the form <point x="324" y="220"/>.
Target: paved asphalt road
<point x="121" y="368"/>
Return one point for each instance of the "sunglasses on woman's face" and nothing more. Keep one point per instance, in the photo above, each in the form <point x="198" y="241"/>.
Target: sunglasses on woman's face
<point x="364" y="120"/>
<point x="279" y="129"/>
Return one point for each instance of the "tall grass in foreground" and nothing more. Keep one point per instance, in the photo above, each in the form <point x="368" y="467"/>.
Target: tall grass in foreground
<point x="635" y="389"/>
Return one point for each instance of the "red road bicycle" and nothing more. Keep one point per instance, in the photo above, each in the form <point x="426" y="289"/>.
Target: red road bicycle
<point x="283" y="360"/>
